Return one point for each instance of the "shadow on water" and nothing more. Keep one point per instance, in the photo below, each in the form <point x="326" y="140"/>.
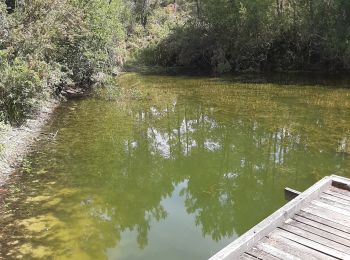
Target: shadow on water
<point x="175" y="171"/>
<point x="278" y="78"/>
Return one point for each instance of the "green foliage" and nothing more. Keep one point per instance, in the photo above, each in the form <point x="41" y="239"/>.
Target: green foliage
<point x="21" y="88"/>
<point x="102" y="45"/>
<point x="143" y="38"/>
<point x="45" y="45"/>
<point x="260" y="35"/>
<point x="4" y="25"/>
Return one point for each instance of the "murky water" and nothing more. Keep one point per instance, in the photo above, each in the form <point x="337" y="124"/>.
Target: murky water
<point x="176" y="168"/>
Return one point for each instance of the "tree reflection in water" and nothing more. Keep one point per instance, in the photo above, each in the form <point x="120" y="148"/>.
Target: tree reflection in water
<point x="231" y="147"/>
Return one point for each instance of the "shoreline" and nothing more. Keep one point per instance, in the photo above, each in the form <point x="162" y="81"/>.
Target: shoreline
<point x="16" y="142"/>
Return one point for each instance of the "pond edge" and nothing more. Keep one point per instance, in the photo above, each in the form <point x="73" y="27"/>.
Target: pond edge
<point x="16" y="142"/>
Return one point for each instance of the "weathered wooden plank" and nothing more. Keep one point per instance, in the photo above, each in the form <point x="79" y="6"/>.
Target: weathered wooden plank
<point x="336" y="194"/>
<point x="294" y="249"/>
<point x="334" y="203"/>
<point x="344" y="192"/>
<point x="316" y="238"/>
<point x="281" y="254"/>
<point x="290" y="194"/>
<point x="312" y="244"/>
<point x="259" y="254"/>
<point x="324" y="221"/>
<point x="249" y="239"/>
<point x="327" y="214"/>
<point x="321" y="230"/>
<point x="332" y="208"/>
<point x="336" y="199"/>
<point x="340" y="182"/>
<point x="247" y="257"/>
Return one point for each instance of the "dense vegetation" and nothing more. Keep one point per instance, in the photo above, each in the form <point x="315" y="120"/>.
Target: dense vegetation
<point x="47" y="45"/>
<point x="262" y="35"/>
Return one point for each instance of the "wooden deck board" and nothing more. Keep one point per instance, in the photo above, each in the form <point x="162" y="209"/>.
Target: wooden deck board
<point x="285" y="248"/>
<point x="315" y="225"/>
<point x="345" y="213"/>
<point x="334" y="204"/>
<point x="314" y="222"/>
<point x="337" y="194"/>
<point x="316" y="229"/>
<point x="315" y="238"/>
<point x="324" y="221"/>
<point x="340" y="191"/>
<point x="326" y="250"/>
<point x="259" y="254"/>
<point x="247" y="257"/>
<point x="331" y="199"/>
<point x="328" y="215"/>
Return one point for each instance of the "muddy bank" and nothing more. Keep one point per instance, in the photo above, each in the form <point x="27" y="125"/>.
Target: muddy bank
<point x="15" y="142"/>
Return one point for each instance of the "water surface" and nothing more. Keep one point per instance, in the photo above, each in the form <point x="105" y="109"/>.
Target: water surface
<point x="161" y="167"/>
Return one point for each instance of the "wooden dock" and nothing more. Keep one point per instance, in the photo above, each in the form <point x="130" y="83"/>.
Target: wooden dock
<point x="314" y="225"/>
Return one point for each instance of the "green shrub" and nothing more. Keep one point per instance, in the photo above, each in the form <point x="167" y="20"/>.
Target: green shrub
<point x="21" y="88"/>
<point x="47" y="44"/>
<point x="4" y="24"/>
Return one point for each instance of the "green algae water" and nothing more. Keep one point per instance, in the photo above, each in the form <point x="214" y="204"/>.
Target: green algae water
<point x="162" y="167"/>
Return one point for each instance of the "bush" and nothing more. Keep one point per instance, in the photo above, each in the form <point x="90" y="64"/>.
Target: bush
<point x="21" y="88"/>
<point x="4" y="24"/>
<point x="47" y="44"/>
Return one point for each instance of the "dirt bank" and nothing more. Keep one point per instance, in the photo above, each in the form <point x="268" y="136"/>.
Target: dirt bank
<point x="15" y="142"/>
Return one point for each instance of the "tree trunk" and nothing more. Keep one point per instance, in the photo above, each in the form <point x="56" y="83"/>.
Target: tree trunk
<point x="144" y="13"/>
<point x="279" y="7"/>
<point x="311" y="12"/>
<point x="198" y="9"/>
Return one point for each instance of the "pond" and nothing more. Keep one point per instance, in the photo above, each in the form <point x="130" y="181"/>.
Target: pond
<point x="162" y="167"/>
